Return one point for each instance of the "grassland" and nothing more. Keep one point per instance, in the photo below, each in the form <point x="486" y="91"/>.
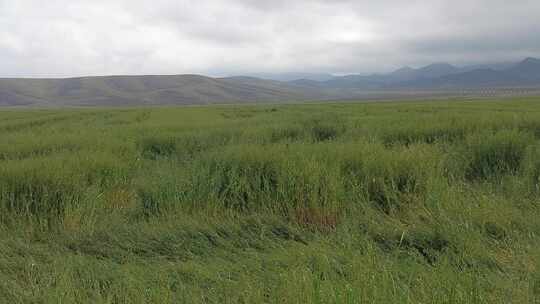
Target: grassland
<point x="421" y="202"/>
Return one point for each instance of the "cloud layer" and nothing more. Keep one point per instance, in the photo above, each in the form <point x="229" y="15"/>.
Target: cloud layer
<point x="59" y="38"/>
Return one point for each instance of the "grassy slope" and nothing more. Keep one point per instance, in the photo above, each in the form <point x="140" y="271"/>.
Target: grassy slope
<point x="139" y="90"/>
<point x="337" y="203"/>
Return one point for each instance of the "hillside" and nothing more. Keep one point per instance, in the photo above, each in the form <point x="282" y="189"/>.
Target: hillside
<point x="148" y="90"/>
<point x="197" y="89"/>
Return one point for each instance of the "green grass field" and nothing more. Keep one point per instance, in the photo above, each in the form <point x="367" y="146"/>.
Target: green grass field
<point x="412" y="202"/>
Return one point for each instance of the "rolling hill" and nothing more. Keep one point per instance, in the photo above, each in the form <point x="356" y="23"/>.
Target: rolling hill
<point x="197" y="89"/>
<point x="149" y="90"/>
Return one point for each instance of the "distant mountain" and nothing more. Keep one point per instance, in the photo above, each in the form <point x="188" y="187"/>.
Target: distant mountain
<point x="292" y="76"/>
<point x="377" y="81"/>
<point x="436" y="70"/>
<point x="149" y="90"/>
<point x="431" y="71"/>
<point x="438" y="76"/>
<point x="405" y="73"/>
<point x="524" y="73"/>
<point x="528" y="70"/>
<point x="493" y="66"/>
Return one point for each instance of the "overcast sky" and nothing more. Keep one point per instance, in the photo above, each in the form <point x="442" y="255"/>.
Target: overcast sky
<point x="59" y="38"/>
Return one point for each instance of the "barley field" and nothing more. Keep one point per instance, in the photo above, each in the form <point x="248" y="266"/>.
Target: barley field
<point x="390" y="202"/>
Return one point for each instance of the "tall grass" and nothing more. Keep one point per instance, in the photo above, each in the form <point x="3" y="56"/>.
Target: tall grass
<point x="496" y="154"/>
<point x="432" y="202"/>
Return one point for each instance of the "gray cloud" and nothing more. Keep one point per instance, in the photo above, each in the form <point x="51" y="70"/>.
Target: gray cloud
<point x="96" y="37"/>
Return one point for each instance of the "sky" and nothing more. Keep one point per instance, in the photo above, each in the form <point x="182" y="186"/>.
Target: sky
<point x="64" y="38"/>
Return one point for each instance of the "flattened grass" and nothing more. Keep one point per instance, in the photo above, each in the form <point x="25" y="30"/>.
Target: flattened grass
<point x="432" y="202"/>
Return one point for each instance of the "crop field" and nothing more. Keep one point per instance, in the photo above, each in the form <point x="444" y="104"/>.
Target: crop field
<point x="409" y="202"/>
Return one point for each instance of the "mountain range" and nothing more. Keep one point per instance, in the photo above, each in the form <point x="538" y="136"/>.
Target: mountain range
<point x="439" y="76"/>
<point x="197" y="89"/>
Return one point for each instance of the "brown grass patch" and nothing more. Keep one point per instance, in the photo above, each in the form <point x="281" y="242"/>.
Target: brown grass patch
<point x="317" y="218"/>
<point x="121" y="198"/>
